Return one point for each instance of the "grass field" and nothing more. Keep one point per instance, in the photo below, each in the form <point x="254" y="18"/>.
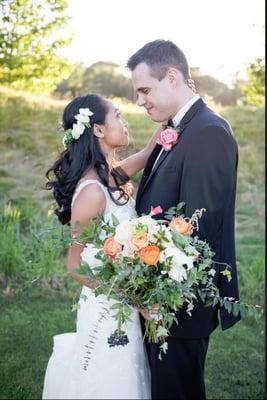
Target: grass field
<point x="36" y="298"/>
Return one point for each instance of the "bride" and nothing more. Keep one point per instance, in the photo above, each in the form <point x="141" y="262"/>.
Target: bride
<point x="88" y="181"/>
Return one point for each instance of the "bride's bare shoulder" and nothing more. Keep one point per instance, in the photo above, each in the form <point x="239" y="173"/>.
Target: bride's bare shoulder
<point x="89" y="203"/>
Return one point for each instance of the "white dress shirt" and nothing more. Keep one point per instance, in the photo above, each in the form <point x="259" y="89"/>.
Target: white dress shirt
<point x="178" y="117"/>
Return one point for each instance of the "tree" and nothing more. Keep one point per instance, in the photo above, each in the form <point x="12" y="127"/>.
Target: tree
<point x="73" y="85"/>
<point x="105" y="78"/>
<point x="254" y="89"/>
<point x="101" y="77"/>
<point x="29" y="43"/>
<point x="220" y="92"/>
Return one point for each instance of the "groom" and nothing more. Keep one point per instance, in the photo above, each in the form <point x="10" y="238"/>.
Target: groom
<point x="200" y="170"/>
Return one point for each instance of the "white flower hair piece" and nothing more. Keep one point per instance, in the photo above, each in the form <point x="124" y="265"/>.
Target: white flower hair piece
<point x="83" y="121"/>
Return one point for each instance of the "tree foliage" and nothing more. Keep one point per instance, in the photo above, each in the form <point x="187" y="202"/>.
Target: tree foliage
<point x="220" y="92"/>
<point x="102" y="77"/>
<point x="30" y="39"/>
<point x="107" y="79"/>
<point x="254" y="89"/>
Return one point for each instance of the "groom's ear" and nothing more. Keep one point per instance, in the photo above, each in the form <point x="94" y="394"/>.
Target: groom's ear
<point x="98" y="131"/>
<point x="174" y="76"/>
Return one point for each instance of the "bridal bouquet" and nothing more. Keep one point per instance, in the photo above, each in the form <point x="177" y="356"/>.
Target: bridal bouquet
<point x="151" y="264"/>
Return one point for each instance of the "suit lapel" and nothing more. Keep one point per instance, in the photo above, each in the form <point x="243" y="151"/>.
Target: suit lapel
<point x="152" y="158"/>
<point x="149" y="172"/>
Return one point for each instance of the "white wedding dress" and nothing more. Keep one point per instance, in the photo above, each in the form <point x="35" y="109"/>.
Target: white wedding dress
<point x="83" y="365"/>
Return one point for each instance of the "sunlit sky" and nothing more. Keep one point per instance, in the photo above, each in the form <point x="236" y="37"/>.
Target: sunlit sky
<point x="219" y="36"/>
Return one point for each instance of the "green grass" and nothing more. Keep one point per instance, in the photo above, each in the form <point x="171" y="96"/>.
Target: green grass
<point x="234" y="368"/>
<point x="36" y="303"/>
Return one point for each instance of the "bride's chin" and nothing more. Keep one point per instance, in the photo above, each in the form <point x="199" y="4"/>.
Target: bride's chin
<point x="125" y="142"/>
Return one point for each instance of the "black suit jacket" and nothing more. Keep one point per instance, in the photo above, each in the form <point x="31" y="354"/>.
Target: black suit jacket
<point x="200" y="170"/>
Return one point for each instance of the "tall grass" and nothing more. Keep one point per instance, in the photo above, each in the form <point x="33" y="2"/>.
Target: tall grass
<point x="32" y="247"/>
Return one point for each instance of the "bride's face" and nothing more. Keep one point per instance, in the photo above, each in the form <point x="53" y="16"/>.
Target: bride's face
<point x="115" y="128"/>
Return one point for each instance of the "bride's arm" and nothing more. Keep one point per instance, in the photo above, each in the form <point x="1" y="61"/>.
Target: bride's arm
<point x="136" y="162"/>
<point x="80" y="216"/>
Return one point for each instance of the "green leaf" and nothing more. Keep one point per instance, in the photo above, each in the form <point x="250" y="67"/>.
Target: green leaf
<point x="115" y="220"/>
<point x="75" y="307"/>
<point x="180" y="240"/>
<point x="83" y="297"/>
<point x="85" y="269"/>
<point x="89" y="231"/>
<point x="161" y="331"/>
<point x="116" y="306"/>
<point x="164" y="347"/>
<point x="227" y="274"/>
<point x="236" y="309"/>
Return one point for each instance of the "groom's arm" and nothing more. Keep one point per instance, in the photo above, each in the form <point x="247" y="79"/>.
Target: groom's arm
<point x="136" y="162"/>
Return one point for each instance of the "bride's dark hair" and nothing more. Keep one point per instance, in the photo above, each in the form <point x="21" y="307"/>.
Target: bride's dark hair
<point x="82" y="155"/>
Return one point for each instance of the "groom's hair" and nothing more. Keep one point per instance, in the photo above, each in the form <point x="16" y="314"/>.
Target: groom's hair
<point x="160" y="55"/>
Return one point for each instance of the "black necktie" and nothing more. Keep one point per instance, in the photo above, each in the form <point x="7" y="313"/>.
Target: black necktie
<point x="170" y="123"/>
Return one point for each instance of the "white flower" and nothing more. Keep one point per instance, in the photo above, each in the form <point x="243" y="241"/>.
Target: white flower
<point x="168" y="235"/>
<point x="124" y="231"/>
<point x="77" y="130"/>
<point x="128" y="251"/>
<point x="88" y="255"/>
<point x="86" y="111"/>
<point x="178" y="271"/>
<point x="151" y="224"/>
<point x="212" y="272"/>
<point x="146" y="220"/>
<point x="83" y="116"/>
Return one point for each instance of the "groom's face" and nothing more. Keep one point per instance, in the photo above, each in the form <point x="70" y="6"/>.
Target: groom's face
<point x="157" y="97"/>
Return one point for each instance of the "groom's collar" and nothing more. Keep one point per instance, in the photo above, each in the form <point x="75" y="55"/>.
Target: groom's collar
<point x="181" y="113"/>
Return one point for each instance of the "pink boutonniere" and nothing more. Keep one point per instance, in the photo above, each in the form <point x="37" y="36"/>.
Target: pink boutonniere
<point x="168" y="138"/>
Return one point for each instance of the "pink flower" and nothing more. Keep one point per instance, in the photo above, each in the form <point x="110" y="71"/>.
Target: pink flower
<point x="168" y="138"/>
<point x="156" y="210"/>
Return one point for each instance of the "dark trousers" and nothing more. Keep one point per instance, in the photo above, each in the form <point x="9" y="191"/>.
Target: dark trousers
<point x="180" y="373"/>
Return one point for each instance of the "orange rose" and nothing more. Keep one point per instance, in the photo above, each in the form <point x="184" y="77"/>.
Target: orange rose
<point x="181" y="225"/>
<point x="138" y="242"/>
<point x="112" y="247"/>
<point x="150" y="254"/>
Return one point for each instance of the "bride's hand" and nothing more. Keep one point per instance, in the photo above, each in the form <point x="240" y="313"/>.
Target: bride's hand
<point x="191" y="84"/>
<point x="146" y="314"/>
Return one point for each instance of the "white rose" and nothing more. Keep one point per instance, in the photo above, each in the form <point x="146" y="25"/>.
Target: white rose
<point x="85" y="111"/>
<point x="146" y="220"/>
<point x="83" y="119"/>
<point x="150" y="223"/>
<point x="88" y="255"/>
<point x="77" y="130"/>
<point x="124" y="232"/>
<point x="127" y="251"/>
<point x="177" y="272"/>
<point x="168" y="236"/>
<point x="83" y="116"/>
